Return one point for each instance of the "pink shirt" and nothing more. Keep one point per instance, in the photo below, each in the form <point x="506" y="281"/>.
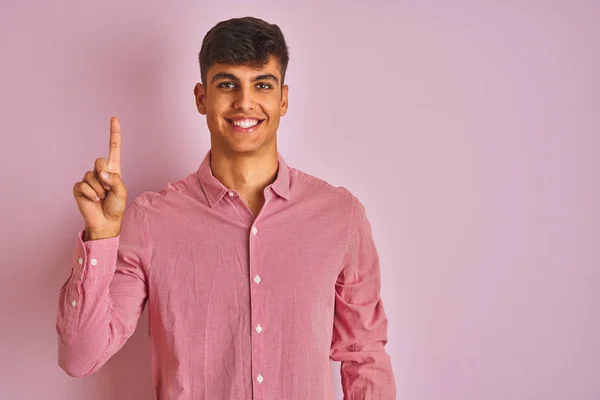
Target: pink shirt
<point x="240" y="307"/>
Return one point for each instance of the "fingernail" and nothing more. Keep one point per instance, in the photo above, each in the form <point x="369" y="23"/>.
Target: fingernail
<point x="106" y="187"/>
<point x="103" y="196"/>
<point x="97" y="198"/>
<point x="104" y="174"/>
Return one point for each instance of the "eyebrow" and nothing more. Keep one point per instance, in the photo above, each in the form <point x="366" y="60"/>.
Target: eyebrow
<point x="227" y="75"/>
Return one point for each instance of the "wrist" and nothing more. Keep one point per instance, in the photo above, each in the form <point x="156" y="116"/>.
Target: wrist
<point x="98" y="235"/>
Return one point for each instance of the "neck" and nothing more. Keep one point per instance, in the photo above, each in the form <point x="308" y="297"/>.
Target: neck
<point x="246" y="174"/>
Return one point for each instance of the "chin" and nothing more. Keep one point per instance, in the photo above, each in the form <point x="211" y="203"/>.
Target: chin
<point x="245" y="143"/>
<point x="242" y="148"/>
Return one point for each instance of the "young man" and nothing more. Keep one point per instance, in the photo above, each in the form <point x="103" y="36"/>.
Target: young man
<point x="255" y="273"/>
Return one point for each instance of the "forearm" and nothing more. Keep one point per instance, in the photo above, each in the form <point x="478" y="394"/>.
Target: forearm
<point x="366" y="373"/>
<point x="98" y="307"/>
<point x="84" y="324"/>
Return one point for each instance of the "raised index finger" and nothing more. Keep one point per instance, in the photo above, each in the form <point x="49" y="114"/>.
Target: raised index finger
<point x="114" y="154"/>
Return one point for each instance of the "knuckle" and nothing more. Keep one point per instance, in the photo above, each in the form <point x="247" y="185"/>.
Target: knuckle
<point x="88" y="175"/>
<point x="99" y="164"/>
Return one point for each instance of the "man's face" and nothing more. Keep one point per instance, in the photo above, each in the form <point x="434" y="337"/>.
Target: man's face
<point x="242" y="106"/>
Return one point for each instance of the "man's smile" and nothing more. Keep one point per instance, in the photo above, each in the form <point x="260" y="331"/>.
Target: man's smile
<point x="245" y="124"/>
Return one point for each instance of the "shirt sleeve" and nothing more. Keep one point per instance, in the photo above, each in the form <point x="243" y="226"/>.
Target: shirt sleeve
<point x="100" y="303"/>
<point x="360" y="323"/>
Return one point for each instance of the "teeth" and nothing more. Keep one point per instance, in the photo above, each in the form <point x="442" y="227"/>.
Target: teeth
<point x="245" y="123"/>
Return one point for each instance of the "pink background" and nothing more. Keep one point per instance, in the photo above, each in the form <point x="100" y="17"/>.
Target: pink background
<point x="469" y="129"/>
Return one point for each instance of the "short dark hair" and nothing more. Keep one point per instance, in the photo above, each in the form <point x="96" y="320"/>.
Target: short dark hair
<point x="243" y="41"/>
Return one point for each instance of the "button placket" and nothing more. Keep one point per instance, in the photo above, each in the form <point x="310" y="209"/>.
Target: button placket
<point x="258" y="328"/>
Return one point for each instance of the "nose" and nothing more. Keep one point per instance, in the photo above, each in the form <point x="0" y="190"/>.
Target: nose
<point x="243" y="99"/>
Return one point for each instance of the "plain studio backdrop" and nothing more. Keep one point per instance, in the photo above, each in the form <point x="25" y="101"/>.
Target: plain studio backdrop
<point x="469" y="129"/>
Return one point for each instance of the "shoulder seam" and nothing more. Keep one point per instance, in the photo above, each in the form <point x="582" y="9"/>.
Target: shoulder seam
<point x="146" y="262"/>
<point x="350" y="233"/>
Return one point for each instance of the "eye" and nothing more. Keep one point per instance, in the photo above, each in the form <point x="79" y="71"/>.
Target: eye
<point x="224" y="85"/>
<point x="264" y="86"/>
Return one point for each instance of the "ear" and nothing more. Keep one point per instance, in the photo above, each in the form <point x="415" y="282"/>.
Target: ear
<point x="284" y="101"/>
<point x="200" y="96"/>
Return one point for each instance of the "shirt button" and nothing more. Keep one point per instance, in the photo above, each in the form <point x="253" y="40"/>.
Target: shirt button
<point x="231" y="194"/>
<point x="80" y="260"/>
<point x="260" y="378"/>
<point x="259" y="328"/>
<point x="74" y="303"/>
<point x="254" y="230"/>
<point x="257" y="279"/>
<point x="94" y="261"/>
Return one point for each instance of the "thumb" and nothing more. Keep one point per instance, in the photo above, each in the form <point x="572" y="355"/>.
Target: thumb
<point x="114" y="181"/>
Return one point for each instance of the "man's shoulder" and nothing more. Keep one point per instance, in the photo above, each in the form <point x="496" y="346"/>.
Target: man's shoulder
<point x="156" y="198"/>
<point x="306" y="183"/>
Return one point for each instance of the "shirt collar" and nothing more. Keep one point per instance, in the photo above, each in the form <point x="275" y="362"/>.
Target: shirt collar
<point x="214" y="190"/>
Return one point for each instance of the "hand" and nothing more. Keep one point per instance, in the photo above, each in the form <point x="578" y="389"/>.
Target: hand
<point x="101" y="201"/>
